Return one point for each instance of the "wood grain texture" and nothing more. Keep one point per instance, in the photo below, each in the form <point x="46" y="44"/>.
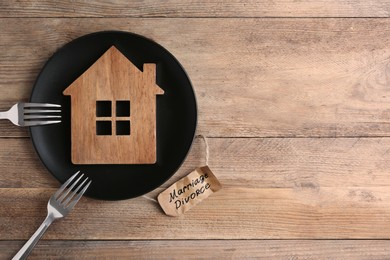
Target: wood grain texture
<point x="311" y="188"/>
<point x="185" y="9"/>
<point x="204" y="249"/>
<point x="252" y="77"/>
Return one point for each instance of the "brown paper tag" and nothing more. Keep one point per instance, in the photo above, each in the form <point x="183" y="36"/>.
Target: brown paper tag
<point x="188" y="191"/>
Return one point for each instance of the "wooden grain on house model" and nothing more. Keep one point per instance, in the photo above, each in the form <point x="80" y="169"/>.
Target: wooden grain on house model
<point x="113" y="112"/>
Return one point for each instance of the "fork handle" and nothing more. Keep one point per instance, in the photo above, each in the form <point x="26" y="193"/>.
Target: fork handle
<point x="4" y="115"/>
<point x="29" y="245"/>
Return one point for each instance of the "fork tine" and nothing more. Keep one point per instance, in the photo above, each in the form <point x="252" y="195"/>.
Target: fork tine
<point x="62" y="188"/>
<point x="41" y="105"/>
<point x="40" y="116"/>
<point x="78" y="197"/>
<point x="60" y="199"/>
<point x="64" y="203"/>
<point x="35" y="123"/>
<point x="26" y="111"/>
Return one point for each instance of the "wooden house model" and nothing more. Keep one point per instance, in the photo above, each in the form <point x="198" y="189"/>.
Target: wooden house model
<point x="113" y="112"/>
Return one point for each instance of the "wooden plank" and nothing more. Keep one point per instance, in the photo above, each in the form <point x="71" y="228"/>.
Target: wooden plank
<point x="231" y="213"/>
<point x="204" y="249"/>
<point x="272" y="188"/>
<point x="253" y="77"/>
<point x="244" y="162"/>
<point x="209" y="8"/>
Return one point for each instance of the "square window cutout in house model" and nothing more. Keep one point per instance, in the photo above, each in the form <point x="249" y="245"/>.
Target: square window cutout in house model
<point x="113" y="112"/>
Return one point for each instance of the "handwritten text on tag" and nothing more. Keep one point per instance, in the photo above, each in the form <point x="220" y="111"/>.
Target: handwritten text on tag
<point x="188" y="191"/>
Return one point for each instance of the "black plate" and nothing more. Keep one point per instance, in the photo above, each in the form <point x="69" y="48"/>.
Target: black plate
<point x="176" y="115"/>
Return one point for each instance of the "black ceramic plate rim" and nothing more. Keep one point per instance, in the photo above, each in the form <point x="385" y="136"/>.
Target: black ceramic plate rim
<point x="171" y="56"/>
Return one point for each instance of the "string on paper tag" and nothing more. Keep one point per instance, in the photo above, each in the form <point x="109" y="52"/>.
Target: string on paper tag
<point x="190" y="190"/>
<point x="206" y="148"/>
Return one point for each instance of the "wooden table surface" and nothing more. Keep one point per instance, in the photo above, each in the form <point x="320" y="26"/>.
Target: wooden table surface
<point x="293" y="98"/>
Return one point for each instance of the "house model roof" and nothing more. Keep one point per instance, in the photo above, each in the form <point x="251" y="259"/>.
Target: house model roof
<point x="111" y="67"/>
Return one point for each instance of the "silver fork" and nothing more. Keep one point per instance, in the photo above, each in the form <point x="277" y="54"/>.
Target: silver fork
<point x="32" y="114"/>
<point x="59" y="205"/>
